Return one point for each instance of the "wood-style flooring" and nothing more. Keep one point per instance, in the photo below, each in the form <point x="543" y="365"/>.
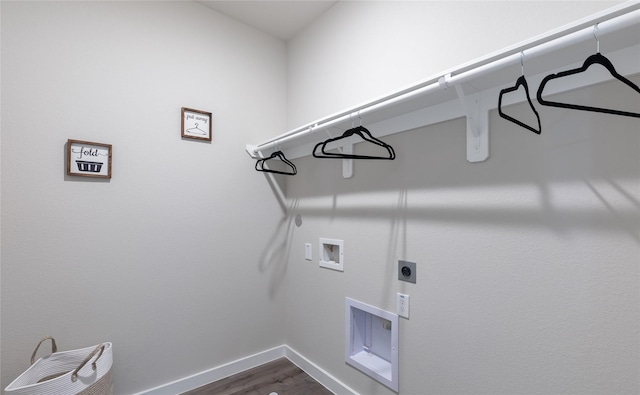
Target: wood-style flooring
<point x="280" y="376"/>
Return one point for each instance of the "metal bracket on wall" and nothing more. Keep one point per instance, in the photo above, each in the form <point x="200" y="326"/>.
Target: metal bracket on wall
<point x="477" y="114"/>
<point x="347" y="164"/>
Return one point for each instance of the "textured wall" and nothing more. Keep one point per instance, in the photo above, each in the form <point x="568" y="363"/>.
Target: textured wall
<point x="527" y="263"/>
<point x="151" y="259"/>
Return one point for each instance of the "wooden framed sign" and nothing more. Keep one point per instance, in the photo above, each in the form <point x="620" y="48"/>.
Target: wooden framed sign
<point x="196" y="124"/>
<point x="88" y="159"/>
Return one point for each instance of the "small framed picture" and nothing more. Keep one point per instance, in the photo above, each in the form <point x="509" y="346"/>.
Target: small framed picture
<point x="196" y="124"/>
<point x="88" y="159"/>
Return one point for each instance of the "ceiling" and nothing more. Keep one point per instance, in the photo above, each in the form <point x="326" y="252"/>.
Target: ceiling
<point x="282" y="19"/>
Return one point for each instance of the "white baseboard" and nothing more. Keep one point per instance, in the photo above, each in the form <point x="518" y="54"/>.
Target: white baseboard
<point x="229" y="369"/>
<point x="320" y="375"/>
<point x="209" y="376"/>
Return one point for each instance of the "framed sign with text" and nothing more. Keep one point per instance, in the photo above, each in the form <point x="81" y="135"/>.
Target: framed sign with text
<point x="196" y="124"/>
<point x="88" y="159"/>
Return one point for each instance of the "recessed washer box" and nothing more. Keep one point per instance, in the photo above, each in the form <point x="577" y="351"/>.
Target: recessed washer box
<point x="371" y="342"/>
<point x="332" y="254"/>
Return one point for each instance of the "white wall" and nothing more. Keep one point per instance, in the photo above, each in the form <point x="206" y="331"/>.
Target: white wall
<point x="527" y="263"/>
<point x="528" y="274"/>
<point x="359" y="50"/>
<point x="170" y="259"/>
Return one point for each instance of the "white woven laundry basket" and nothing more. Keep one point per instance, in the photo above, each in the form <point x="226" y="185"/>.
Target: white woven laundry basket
<point x="85" y="371"/>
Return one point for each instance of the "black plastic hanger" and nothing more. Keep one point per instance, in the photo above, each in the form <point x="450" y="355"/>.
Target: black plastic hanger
<point x="597" y="58"/>
<point x="366" y="136"/>
<point x="521" y="81"/>
<point x="278" y="155"/>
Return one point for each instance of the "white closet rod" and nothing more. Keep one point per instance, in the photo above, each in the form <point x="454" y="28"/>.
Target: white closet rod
<point x="625" y="16"/>
<point x="606" y="27"/>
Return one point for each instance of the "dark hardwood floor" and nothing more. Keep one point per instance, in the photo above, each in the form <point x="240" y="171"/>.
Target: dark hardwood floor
<point x="280" y="376"/>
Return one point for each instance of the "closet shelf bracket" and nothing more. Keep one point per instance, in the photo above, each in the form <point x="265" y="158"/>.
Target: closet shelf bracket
<point x="347" y="164"/>
<point x="477" y="116"/>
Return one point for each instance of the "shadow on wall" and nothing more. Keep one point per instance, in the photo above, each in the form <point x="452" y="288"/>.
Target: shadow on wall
<point x="275" y="254"/>
<point x="530" y="253"/>
<point x="581" y="161"/>
<point x="582" y="172"/>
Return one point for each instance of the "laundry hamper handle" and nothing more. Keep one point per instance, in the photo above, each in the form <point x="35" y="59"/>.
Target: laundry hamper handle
<point x="54" y="348"/>
<point x="74" y="375"/>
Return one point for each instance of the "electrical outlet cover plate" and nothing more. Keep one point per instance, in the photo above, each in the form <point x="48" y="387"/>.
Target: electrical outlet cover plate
<point x="307" y="251"/>
<point x="402" y="305"/>
<point x="407" y="271"/>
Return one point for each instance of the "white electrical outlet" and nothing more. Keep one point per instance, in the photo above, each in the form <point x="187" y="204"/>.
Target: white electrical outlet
<point x="403" y="305"/>
<point x="307" y="251"/>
